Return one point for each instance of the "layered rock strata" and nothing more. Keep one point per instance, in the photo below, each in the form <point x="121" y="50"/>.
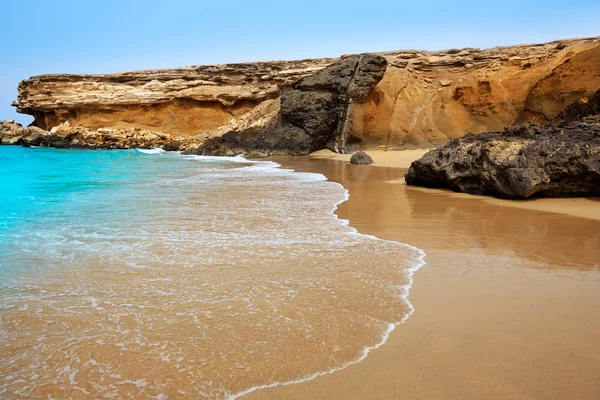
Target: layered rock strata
<point x="557" y="160"/>
<point x="67" y="136"/>
<point x="423" y="99"/>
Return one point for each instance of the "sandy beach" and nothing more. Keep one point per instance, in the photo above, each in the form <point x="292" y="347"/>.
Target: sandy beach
<point x="507" y="306"/>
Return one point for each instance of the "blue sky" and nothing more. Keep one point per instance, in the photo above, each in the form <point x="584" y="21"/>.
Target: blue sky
<point x="39" y="37"/>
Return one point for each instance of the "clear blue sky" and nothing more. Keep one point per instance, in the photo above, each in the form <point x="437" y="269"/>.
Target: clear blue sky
<point x="90" y="36"/>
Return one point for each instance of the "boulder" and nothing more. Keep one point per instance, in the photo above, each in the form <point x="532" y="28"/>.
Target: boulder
<point x="561" y="159"/>
<point x="360" y="157"/>
<point x="520" y="162"/>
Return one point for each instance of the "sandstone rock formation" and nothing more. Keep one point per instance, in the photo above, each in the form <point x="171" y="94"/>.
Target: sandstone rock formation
<point x="424" y="98"/>
<point x="559" y="160"/>
<point x="67" y="136"/>
<point x="487" y="90"/>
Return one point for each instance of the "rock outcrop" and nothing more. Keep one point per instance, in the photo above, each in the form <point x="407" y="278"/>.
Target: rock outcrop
<point x="558" y="160"/>
<point x="422" y="99"/>
<point x="312" y="113"/>
<point x="66" y="136"/>
<point x="182" y="101"/>
<point x="580" y="109"/>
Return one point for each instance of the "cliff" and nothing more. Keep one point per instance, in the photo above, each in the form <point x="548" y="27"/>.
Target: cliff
<point x="410" y="99"/>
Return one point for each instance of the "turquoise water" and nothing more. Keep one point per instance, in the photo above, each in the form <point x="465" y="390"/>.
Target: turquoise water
<point x="145" y="274"/>
<point x="46" y="191"/>
<point x="38" y="181"/>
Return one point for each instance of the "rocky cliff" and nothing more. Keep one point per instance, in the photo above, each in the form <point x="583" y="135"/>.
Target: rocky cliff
<point x="397" y="99"/>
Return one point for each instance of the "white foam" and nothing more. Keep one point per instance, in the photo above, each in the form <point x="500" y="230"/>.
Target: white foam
<point x="236" y="159"/>
<point x="156" y="150"/>
<point x="391" y="326"/>
<point x="311" y="176"/>
<point x="237" y="177"/>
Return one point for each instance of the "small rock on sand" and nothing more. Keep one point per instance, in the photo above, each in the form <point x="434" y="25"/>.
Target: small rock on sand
<point x="360" y="157"/>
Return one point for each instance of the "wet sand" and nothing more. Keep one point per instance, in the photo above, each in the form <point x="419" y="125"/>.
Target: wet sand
<point x="507" y="307"/>
<point x="578" y="207"/>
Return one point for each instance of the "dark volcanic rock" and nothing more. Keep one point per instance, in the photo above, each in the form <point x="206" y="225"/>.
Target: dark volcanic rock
<point x="520" y="162"/>
<point x="354" y="75"/>
<point x="315" y="112"/>
<point x="370" y="71"/>
<point x="312" y="112"/>
<point x="334" y="78"/>
<point x="258" y="143"/>
<point x="580" y="109"/>
<point x="360" y="157"/>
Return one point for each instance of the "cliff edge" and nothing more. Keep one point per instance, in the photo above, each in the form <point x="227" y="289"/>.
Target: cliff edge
<point x="399" y="99"/>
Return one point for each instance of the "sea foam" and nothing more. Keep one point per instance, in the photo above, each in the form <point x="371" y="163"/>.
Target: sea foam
<point x="208" y="276"/>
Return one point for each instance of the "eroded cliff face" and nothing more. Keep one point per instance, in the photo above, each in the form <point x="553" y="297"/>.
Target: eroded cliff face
<point x="182" y="101"/>
<point x="427" y="98"/>
<point x="407" y="98"/>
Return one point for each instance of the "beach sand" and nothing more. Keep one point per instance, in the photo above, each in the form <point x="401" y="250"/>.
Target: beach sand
<point x="507" y="306"/>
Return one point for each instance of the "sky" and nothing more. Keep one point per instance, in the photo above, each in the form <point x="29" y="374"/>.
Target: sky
<point x="90" y="36"/>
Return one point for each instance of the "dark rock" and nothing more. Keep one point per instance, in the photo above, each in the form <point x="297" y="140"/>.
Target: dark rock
<point x="315" y="112"/>
<point x="258" y="143"/>
<point x="170" y="146"/>
<point x="334" y="78"/>
<point x="371" y="68"/>
<point x="311" y="114"/>
<point x="354" y="76"/>
<point x="520" y="162"/>
<point x="580" y="109"/>
<point x="561" y="46"/>
<point x="360" y="157"/>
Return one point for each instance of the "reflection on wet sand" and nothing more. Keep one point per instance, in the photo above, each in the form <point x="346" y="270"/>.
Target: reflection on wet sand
<point x="453" y="221"/>
<point x="507" y="305"/>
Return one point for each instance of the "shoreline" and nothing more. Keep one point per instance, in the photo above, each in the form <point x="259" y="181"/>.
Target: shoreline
<point x="367" y="349"/>
<point x="485" y="253"/>
<point x="583" y="207"/>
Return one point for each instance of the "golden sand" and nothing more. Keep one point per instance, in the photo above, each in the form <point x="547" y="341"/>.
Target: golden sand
<point x="507" y="307"/>
<point x="577" y="207"/>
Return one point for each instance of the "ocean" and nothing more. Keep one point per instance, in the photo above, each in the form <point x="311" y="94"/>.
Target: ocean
<point x="146" y="274"/>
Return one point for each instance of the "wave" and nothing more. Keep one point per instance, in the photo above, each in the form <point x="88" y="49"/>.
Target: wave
<point x="156" y="150"/>
<point x="255" y="210"/>
<point x="269" y="167"/>
<point x="420" y="262"/>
